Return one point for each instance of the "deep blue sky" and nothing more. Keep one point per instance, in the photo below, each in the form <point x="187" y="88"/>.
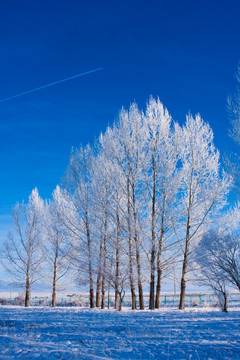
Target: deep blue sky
<point x="184" y="51"/>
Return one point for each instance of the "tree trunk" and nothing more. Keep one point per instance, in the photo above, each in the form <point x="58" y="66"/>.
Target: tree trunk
<point x="117" y="277"/>
<point x="131" y="276"/>
<point x="186" y="250"/>
<point x="117" y="263"/>
<point x="99" y="276"/>
<point x="183" y="290"/>
<point x="152" y="274"/>
<point x="159" y="255"/>
<point x="91" y="292"/>
<point x="158" y="286"/>
<point x="98" y="290"/>
<point x="159" y="273"/>
<point x="103" y="293"/>
<point x="116" y="302"/>
<point x="104" y="262"/>
<point x="109" y="296"/>
<point x="136" y="239"/>
<point x="27" y="294"/>
<point x="152" y="280"/>
<point x="133" y="293"/>
<point x="225" y="302"/>
<point x="91" y="286"/>
<point x="120" y="303"/>
<point x="54" y="282"/>
<point x="184" y="270"/>
<point x="121" y="296"/>
<point x="140" y="289"/>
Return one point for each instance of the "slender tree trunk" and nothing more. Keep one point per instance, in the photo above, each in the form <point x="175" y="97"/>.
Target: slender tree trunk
<point x="117" y="262"/>
<point x="159" y="273"/>
<point x="91" y="286"/>
<point x="120" y="304"/>
<point x="131" y="276"/>
<point x="153" y="250"/>
<point x="116" y="302"/>
<point x="104" y="262"/>
<point x="159" y="256"/>
<point x="99" y="276"/>
<point x="27" y="294"/>
<point x="186" y="250"/>
<point x="103" y="292"/>
<point x="184" y="270"/>
<point x="140" y="289"/>
<point x="91" y="292"/>
<point x="225" y="302"/>
<point x="54" y="281"/>
<point x="132" y="286"/>
<point x="136" y="239"/>
<point x="152" y="279"/>
<point x="117" y="274"/>
<point x="109" y="295"/>
<point x="121" y="295"/>
<point x="98" y="290"/>
<point x="159" y="284"/>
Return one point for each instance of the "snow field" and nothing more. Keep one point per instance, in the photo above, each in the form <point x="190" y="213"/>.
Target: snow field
<point x="81" y="333"/>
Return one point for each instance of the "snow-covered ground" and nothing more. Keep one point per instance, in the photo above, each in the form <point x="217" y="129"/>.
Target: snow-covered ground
<point x="81" y="333"/>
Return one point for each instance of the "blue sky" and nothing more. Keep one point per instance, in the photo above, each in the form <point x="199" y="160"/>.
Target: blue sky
<point x="185" y="52"/>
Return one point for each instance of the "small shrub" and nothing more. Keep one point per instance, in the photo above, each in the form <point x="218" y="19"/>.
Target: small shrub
<point x="3" y="301"/>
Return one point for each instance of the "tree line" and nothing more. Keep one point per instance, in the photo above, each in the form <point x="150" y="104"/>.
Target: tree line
<point x="139" y="206"/>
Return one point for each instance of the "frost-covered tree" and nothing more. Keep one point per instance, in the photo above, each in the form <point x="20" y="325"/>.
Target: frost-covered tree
<point x="234" y="110"/>
<point x="125" y="147"/>
<point x="215" y="255"/>
<point x="127" y="207"/>
<point x="229" y="255"/>
<point x="232" y="161"/>
<point x="118" y="273"/>
<point x="57" y="244"/>
<point x="224" y="250"/>
<point x="79" y="214"/>
<point x="22" y="255"/>
<point x="102" y="194"/>
<point x="162" y="179"/>
<point x="203" y="189"/>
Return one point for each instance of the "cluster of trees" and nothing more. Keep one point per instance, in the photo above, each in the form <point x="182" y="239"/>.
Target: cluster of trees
<point x="218" y="252"/>
<point x="218" y="256"/>
<point x="132" y="210"/>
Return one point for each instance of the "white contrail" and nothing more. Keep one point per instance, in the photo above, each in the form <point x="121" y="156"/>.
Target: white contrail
<point x="50" y="84"/>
